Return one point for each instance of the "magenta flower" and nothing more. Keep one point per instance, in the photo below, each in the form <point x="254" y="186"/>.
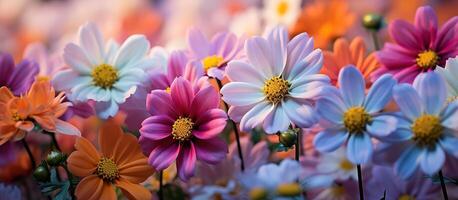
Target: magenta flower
<point x="418" y="47"/>
<point x="17" y="78"/>
<point x="183" y="127"/>
<point x="177" y="65"/>
<point x="216" y="53"/>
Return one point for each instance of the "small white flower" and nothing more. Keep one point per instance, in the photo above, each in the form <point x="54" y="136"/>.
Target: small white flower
<point x="107" y="74"/>
<point x="283" y="12"/>
<point x="337" y="165"/>
<point x="450" y="72"/>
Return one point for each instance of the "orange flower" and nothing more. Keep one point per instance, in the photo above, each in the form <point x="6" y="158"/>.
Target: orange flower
<point x="325" y="20"/>
<point x="13" y="116"/>
<point x="120" y="163"/>
<point x="40" y="105"/>
<point x="345" y="54"/>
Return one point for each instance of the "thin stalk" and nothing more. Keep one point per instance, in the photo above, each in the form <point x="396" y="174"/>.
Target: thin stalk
<point x="53" y="140"/>
<point x="298" y="145"/>
<point x="375" y="40"/>
<point x="444" y="189"/>
<point x="29" y="152"/>
<point x="161" y="192"/>
<point x="70" y="179"/>
<point x="360" y="183"/>
<point x="236" y="131"/>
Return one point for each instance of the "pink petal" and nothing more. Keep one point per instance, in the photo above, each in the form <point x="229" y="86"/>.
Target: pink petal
<point x="198" y="43"/>
<point x="163" y="155"/>
<point x="204" y="100"/>
<point x="211" y="150"/>
<point x="426" y="23"/>
<point x="406" y="35"/>
<point x="157" y="127"/>
<point x="182" y="95"/>
<point x="158" y="102"/>
<point x="210" y="124"/>
<point x="186" y="161"/>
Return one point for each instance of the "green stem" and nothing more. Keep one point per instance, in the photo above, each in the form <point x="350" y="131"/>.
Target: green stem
<point x="53" y="140"/>
<point x="29" y="152"/>
<point x="298" y="145"/>
<point x="236" y="130"/>
<point x="70" y="180"/>
<point x="161" y="192"/>
<point x="375" y="40"/>
<point x="360" y="183"/>
<point x="444" y="189"/>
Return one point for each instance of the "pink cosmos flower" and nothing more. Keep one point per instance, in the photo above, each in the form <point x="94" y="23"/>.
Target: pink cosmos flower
<point x="176" y="65"/>
<point x="183" y="127"/>
<point x="418" y="47"/>
<point x="216" y="53"/>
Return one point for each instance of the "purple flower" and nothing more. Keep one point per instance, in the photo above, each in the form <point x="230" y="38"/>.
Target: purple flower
<point x="419" y="47"/>
<point x="216" y="53"/>
<point x="17" y="78"/>
<point x="383" y="179"/>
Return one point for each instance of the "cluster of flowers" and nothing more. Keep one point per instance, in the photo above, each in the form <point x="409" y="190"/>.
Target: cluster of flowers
<point x="385" y="119"/>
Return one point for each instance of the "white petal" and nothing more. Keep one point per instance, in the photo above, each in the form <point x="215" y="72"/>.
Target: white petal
<point x="131" y="51"/>
<point x="241" y="94"/>
<point x="66" y="128"/>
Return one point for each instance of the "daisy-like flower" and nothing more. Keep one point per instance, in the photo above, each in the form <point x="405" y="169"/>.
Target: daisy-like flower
<point x="418" y="48"/>
<point x="336" y="164"/>
<point x="281" y="12"/>
<point x="277" y="84"/>
<point x="383" y="179"/>
<point x="39" y="105"/>
<point x="450" y="72"/>
<point x="120" y="162"/>
<point x="349" y="115"/>
<point x="214" y="55"/>
<point x="184" y="126"/>
<point x="107" y="75"/>
<point x="427" y="125"/>
<point x="17" y="78"/>
<point x="346" y="53"/>
<point x="274" y="181"/>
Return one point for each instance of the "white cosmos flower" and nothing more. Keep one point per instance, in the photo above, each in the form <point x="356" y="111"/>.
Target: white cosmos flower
<point x="284" y="12"/>
<point x="107" y="74"/>
<point x="337" y="165"/>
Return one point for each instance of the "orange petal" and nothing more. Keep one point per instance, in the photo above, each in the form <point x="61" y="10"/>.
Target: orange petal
<point x="25" y="125"/>
<point x="342" y="52"/>
<point x="81" y="165"/>
<point x="46" y="121"/>
<point x="330" y="66"/>
<point x="40" y="93"/>
<point x="358" y="51"/>
<point x="136" y="171"/>
<point x="94" y="188"/>
<point x="110" y="135"/>
<point x="133" y="191"/>
<point x="86" y="147"/>
<point x="5" y="94"/>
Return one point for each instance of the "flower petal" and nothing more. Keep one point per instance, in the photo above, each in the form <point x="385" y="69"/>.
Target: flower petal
<point x="359" y="148"/>
<point x="182" y="94"/>
<point x="157" y="127"/>
<point x="278" y="39"/>
<point x="432" y="160"/>
<point x="432" y="90"/>
<point x="408" y="100"/>
<point x="76" y="58"/>
<point x="210" y="150"/>
<point x="449" y="116"/>
<point x="331" y="110"/>
<point x="66" y="128"/>
<point x="198" y="43"/>
<point x="426" y="24"/>
<point x="241" y="94"/>
<point x="329" y="139"/>
<point x="405" y="34"/>
<point x="255" y="116"/>
<point x="80" y="165"/>
<point x="277" y="120"/>
<point x="210" y="124"/>
<point x="259" y="54"/>
<point x="300" y="114"/>
<point x="352" y="86"/>
<point x="408" y="162"/>
<point x="379" y="94"/>
<point x="132" y="50"/>
<point x="164" y="154"/>
<point x="382" y="125"/>
<point x="94" y="188"/>
<point x="91" y="41"/>
<point x="106" y="109"/>
<point x="186" y="161"/>
<point x="240" y="71"/>
<point x="205" y="99"/>
<point x="133" y="191"/>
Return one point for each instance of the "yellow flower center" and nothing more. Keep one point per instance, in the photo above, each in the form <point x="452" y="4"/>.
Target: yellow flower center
<point x="427" y="129"/>
<point x="289" y="189"/>
<point x="167" y="90"/>
<point x="182" y="128"/>
<point x="107" y="170"/>
<point x="406" y="197"/>
<point x="427" y="59"/>
<point x="104" y="76"/>
<point x="355" y="119"/>
<point x="276" y="89"/>
<point x="346" y="165"/>
<point x="212" y="61"/>
<point x="258" y="193"/>
<point x="282" y="8"/>
<point x="16" y="117"/>
<point x="42" y="78"/>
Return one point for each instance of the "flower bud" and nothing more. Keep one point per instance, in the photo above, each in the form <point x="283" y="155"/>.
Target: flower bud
<point x="288" y="138"/>
<point x="373" y="21"/>
<point x="55" y="158"/>
<point x="41" y="173"/>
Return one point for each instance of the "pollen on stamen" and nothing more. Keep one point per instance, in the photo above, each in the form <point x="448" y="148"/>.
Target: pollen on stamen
<point x="182" y="128"/>
<point x="104" y="76"/>
<point x="427" y="59"/>
<point x="355" y="119"/>
<point x="427" y="130"/>
<point x="275" y="89"/>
